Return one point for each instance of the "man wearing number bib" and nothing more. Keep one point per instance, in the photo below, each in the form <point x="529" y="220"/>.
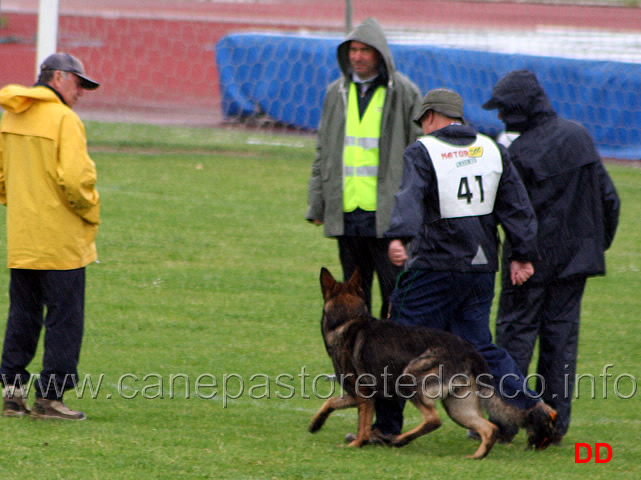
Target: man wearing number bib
<point x="457" y="187"/>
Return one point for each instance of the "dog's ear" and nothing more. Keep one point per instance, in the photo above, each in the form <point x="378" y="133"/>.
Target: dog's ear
<point x="327" y="282"/>
<point x="355" y="280"/>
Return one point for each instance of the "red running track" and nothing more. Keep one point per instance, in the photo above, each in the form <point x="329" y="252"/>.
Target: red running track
<point x="157" y="57"/>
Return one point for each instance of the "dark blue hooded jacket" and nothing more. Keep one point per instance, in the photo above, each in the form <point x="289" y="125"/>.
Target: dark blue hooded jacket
<point x="575" y="201"/>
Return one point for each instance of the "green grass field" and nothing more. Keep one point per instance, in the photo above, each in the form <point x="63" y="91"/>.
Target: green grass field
<point x="203" y="341"/>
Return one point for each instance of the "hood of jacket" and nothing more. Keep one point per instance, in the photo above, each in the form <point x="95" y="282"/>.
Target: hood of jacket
<point x="521" y="101"/>
<point x="370" y="33"/>
<point x="18" y="99"/>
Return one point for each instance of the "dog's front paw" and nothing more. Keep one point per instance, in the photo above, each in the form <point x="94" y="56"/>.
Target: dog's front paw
<point x="358" y="443"/>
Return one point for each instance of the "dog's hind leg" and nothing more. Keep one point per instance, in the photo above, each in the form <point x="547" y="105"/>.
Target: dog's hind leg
<point x="425" y="369"/>
<point x="334" y="403"/>
<point x="464" y="409"/>
<point x="429" y="423"/>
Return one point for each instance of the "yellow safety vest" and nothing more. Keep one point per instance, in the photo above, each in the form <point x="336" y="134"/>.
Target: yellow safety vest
<point x="361" y="151"/>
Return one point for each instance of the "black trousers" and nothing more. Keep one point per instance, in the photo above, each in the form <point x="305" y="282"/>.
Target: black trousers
<point x="369" y="254"/>
<point x="551" y="313"/>
<point x="62" y="293"/>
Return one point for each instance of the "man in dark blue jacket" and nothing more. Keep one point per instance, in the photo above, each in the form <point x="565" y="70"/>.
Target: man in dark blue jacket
<point x="577" y="210"/>
<point x="457" y="187"/>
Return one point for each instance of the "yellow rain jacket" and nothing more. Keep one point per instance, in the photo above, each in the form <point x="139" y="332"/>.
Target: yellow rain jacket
<point x="47" y="182"/>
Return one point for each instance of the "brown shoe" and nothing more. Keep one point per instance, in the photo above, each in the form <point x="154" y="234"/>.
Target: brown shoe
<point x="54" y="409"/>
<point x="13" y="403"/>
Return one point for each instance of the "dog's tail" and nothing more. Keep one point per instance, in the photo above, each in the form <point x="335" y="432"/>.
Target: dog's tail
<point x="537" y="421"/>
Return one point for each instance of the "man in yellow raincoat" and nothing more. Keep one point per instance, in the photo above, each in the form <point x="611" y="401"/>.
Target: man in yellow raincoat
<point x="47" y="182"/>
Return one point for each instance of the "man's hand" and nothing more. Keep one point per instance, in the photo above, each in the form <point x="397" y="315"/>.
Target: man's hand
<point x="520" y="272"/>
<point x="396" y="253"/>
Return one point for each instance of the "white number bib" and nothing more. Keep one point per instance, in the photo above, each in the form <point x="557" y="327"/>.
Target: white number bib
<point x="467" y="175"/>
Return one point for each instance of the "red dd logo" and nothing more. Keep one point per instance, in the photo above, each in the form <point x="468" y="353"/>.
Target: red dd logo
<point x="578" y="447"/>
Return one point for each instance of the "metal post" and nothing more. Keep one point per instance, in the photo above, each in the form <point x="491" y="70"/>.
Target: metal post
<point x="47" y="30"/>
<point x="348" y="17"/>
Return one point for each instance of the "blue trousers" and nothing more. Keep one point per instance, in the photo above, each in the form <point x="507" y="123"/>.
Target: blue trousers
<point x="62" y="292"/>
<point x="459" y="303"/>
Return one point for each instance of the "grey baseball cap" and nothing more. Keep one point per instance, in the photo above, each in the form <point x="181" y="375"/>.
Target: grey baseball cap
<point x="66" y="62"/>
<point x="441" y="100"/>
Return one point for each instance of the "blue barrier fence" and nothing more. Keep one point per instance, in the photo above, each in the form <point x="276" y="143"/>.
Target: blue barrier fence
<point x="285" y="77"/>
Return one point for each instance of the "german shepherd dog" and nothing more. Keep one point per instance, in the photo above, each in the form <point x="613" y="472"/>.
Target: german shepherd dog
<point x="427" y="364"/>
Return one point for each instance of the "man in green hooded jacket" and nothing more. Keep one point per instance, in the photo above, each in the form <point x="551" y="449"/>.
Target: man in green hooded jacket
<point x="365" y="126"/>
